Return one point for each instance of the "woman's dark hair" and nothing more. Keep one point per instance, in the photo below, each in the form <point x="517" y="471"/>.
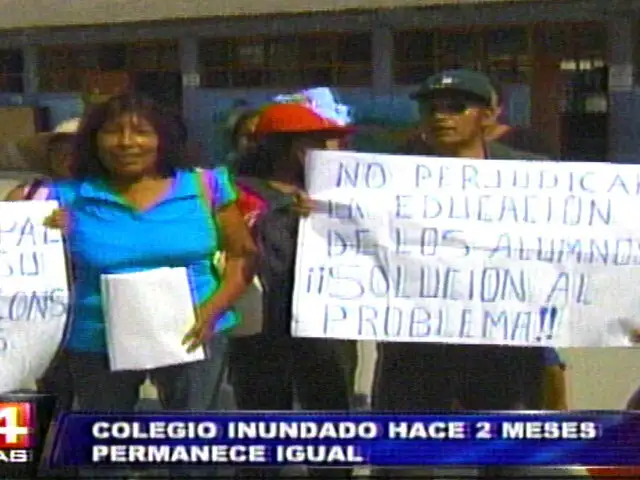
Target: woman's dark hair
<point x="239" y="125"/>
<point x="171" y="131"/>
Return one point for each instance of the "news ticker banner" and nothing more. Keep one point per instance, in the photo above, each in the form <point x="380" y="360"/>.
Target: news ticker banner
<point x="313" y="439"/>
<point x="321" y="439"/>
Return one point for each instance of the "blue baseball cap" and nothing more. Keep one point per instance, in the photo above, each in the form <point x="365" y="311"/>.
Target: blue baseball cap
<point x="469" y="82"/>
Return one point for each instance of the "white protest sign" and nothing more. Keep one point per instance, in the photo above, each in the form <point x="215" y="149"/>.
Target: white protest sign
<point x="426" y="249"/>
<point x="34" y="293"/>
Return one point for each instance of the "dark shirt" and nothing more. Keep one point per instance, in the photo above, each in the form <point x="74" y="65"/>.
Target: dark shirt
<point x="276" y="232"/>
<point x="526" y="140"/>
<point x="495" y="150"/>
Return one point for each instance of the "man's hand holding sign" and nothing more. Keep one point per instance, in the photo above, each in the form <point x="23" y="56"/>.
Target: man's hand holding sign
<point x="34" y="292"/>
<point x="469" y="252"/>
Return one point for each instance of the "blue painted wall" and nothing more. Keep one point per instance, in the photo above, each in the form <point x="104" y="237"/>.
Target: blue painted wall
<point x="62" y="106"/>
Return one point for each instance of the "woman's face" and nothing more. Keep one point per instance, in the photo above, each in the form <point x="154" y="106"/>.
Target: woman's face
<point x="128" y="146"/>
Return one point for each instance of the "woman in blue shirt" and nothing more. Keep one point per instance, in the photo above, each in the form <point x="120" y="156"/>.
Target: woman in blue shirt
<point x="135" y="203"/>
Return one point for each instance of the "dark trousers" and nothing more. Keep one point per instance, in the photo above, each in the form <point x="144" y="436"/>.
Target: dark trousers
<point x="265" y="370"/>
<point x="420" y="377"/>
<point x="348" y="352"/>
<point x="185" y="387"/>
<point x="58" y="381"/>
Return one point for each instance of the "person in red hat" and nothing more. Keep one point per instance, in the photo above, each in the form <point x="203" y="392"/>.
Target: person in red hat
<point x="265" y="367"/>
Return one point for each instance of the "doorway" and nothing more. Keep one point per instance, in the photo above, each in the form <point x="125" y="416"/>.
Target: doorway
<point x="163" y="87"/>
<point x="585" y="113"/>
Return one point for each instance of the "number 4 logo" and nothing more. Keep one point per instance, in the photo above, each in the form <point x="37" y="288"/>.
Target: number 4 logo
<point x="15" y="421"/>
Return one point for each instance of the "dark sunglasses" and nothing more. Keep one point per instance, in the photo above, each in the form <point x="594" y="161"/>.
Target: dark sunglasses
<point x="449" y="107"/>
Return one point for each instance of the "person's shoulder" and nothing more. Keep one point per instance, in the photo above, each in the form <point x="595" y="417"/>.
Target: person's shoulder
<point x="64" y="190"/>
<point x="17" y="193"/>
<point x="527" y="139"/>
<point x="500" y="151"/>
<point x="261" y="189"/>
<point x="66" y="184"/>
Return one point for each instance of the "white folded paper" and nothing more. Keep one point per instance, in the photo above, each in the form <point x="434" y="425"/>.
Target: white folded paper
<point x="147" y="315"/>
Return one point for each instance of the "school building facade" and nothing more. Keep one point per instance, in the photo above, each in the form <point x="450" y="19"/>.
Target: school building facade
<point x="569" y="68"/>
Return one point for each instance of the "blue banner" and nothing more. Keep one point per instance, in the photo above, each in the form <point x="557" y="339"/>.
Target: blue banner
<point x="321" y="439"/>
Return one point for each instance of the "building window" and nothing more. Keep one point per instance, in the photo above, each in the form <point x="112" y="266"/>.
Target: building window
<point x="459" y="50"/>
<point x="112" y="57"/>
<point x="356" y="48"/>
<point x="287" y="62"/>
<point x="11" y="71"/>
<point x="414" y="57"/>
<point x="504" y="53"/>
<point x="583" y="64"/>
<point x="58" y="71"/>
<point x="216" y="59"/>
<point x="152" y="57"/>
<point x="508" y="54"/>
<point x="67" y="68"/>
<point x="250" y="54"/>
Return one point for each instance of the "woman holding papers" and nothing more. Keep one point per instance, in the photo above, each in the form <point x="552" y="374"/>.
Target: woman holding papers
<point x="265" y="367"/>
<point x="142" y="226"/>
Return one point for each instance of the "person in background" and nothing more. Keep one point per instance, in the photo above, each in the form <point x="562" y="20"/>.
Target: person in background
<point x="324" y="100"/>
<point x="58" y="162"/>
<point x="554" y="391"/>
<point x="57" y="380"/>
<point x="455" y="108"/>
<point x="241" y="136"/>
<point x="133" y="196"/>
<point x="265" y="368"/>
<point x="520" y="138"/>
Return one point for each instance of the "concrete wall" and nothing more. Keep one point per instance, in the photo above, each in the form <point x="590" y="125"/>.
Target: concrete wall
<point x="66" y="13"/>
<point x="61" y="106"/>
<point x="601" y="378"/>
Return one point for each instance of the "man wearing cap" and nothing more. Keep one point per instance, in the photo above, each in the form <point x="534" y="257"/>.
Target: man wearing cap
<point x="455" y="109"/>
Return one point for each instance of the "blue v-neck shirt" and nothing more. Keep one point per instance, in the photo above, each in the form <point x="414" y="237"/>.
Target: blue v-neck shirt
<point x="107" y="236"/>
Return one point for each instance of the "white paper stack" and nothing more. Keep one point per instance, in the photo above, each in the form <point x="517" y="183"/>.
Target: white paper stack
<point x="147" y="315"/>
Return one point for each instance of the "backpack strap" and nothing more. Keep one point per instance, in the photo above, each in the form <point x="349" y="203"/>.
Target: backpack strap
<point x="204" y="182"/>
<point x="32" y="189"/>
<point x="207" y="194"/>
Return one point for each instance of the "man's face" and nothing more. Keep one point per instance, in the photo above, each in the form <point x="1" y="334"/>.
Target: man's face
<point x="452" y="119"/>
